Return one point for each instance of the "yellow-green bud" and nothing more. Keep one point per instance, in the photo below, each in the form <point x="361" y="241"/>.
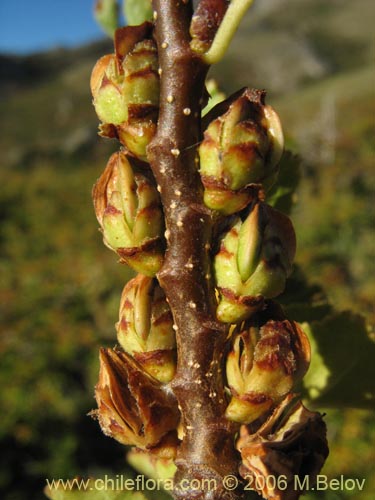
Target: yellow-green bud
<point x="156" y="462"/>
<point x="145" y="327"/>
<point x="253" y="262"/>
<point x="127" y="206"/>
<point x="240" y="153"/>
<point x="132" y="406"/>
<point x="106" y="89"/>
<point x="263" y="367"/>
<point x="125" y="88"/>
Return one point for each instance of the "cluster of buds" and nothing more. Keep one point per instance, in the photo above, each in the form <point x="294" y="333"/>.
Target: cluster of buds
<point x="128" y="209"/>
<point x="125" y="89"/>
<point x="268" y="354"/>
<point x="145" y="327"/>
<point x="253" y="262"/>
<point x="134" y="406"/>
<point x="263" y="367"/>
<point x="240" y="153"/>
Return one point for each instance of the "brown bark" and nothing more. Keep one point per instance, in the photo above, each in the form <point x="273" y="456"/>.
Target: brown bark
<point x="207" y="450"/>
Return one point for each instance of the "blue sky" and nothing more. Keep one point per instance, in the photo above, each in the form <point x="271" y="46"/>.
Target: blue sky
<point x="33" y="25"/>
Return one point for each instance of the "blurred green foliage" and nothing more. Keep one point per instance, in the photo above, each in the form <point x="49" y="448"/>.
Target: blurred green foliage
<point x="60" y="287"/>
<point x="58" y="301"/>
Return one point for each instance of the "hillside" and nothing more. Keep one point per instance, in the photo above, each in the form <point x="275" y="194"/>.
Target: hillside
<point x="284" y="46"/>
<point x="290" y="44"/>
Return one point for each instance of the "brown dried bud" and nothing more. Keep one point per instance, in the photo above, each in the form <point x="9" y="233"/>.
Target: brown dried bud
<point x="263" y="367"/>
<point x="290" y="444"/>
<point x="133" y="408"/>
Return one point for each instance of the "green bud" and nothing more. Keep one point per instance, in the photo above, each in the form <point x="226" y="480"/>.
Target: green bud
<point x="125" y="88"/>
<point x="240" y="153"/>
<point x="263" y="367"/>
<point x="156" y="462"/>
<point x="136" y="135"/>
<point x="127" y="206"/>
<point x="249" y="244"/>
<point x="253" y="262"/>
<point x="145" y="327"/>
<point x="141" y="80"/>
<point x="106" y="89"/>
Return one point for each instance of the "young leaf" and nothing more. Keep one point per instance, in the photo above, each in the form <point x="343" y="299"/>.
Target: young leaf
<point x="137" y="11"/>
<point x="215" y="93"/>
<point x="106" y="15"/>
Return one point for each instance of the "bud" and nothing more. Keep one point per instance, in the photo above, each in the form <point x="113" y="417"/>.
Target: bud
<point x="145" y="327"/>
<point x="106" y="89"/>
<point x="291" y="444"/>
<point x="240" y="153"/>
<point x="157" y="462"/>
<point x="125" y="88"/>
<point x="127" y="206"/>
<point x="263" y="367"/>
<point x="253" y="262"/>
<point x="132" y="406"/>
